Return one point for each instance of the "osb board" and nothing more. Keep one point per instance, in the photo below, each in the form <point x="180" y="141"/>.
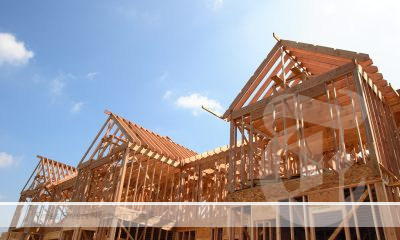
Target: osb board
<point x="181" y="229"/>
<point x="225" y="234"/>
<point x="274" y="191"/>
<point x="16" y="236"/>
<point x="3" y="236"/>
<point x="325" y="196"/>
<point x="201" y="233"/>
<point x="263" y="212"/>
<point x="52" y="235"/>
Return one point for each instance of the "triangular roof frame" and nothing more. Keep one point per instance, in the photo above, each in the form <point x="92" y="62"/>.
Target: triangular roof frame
<point x="337" y="57"/>
<point x="141" y="139"/>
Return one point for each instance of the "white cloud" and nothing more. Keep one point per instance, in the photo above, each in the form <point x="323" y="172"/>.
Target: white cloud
<point x="91" y="75"/>
<point x="77" y="107"/>
<point x="6" y="160"/>
<point x="194" y="102"/>
<point x="13" y="51"/>
<point x="167" y="95"/>
<point x="215" y="4"/>
<point x="57" y="85"/>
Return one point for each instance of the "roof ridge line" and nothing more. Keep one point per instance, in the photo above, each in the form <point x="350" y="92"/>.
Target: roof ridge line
<point x="167" y="138"/>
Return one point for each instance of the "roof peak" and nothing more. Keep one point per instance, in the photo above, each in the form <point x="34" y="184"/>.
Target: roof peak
<point x="157" y="142"/>
<point x="287" y="64"/>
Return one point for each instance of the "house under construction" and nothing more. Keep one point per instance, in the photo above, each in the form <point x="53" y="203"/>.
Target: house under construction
<point x="309" y="114"/>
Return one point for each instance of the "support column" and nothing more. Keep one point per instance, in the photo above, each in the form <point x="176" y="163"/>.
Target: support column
<point x="374" y="161"/>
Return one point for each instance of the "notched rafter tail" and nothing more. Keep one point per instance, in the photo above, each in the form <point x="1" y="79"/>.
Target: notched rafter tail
<point x="213" y="112"/>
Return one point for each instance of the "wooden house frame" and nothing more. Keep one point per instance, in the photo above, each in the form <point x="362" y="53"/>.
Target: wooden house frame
<point x="309" y="114"/>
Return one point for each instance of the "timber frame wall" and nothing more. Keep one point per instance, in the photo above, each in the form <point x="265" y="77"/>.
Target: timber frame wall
<point x="308" y="113"/>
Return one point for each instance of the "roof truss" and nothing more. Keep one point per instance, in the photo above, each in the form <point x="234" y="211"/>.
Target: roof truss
<point x="117" y="133"/>
<point x="288" y="64"/>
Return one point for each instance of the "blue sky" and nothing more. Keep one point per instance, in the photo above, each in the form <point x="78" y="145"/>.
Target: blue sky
<point x="153" y="62"/>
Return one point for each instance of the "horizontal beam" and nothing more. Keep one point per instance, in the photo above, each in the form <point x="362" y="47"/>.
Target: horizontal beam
<point x="306" y="85"/>
<point x="325" y="50"/>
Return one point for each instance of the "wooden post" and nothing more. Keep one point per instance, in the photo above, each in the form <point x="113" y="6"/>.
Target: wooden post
<point x="275" y="150"/>
<point x="332" y="125"/>
<point x="232" y="161"/>
<point x="340" y="126"/>
<point x="166" y="184"/>
<point x="303" y="138"/>
<point x="121" y="177"/>
<point x="285" y="140"/>
<point x="367" y="125"/>
<point x="130" y="177"/>
<point x="251" y="154"/>
<point x="312" y="227"/>
<point x="375" y="126"/>
<point x="386" y="215"/>
<point x="297" y="118"/>
<point x="135" y="195"/>
<point x="292" y="237"/>
<point x="243" y="172"/>
<point x="344" y="214"/>
<point x="146" y="175"/>
<point x="306" y="217"/>
<point x="159" y="183"/>
<point x="283" y="67"/>
<point x="371" y="199"/>
<point x="241" y="224"/>
<point x="360" y="143"/>
<point x="278" y="223"/>
<point x="17" y="214"/>
<point x="355" y="214"/>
